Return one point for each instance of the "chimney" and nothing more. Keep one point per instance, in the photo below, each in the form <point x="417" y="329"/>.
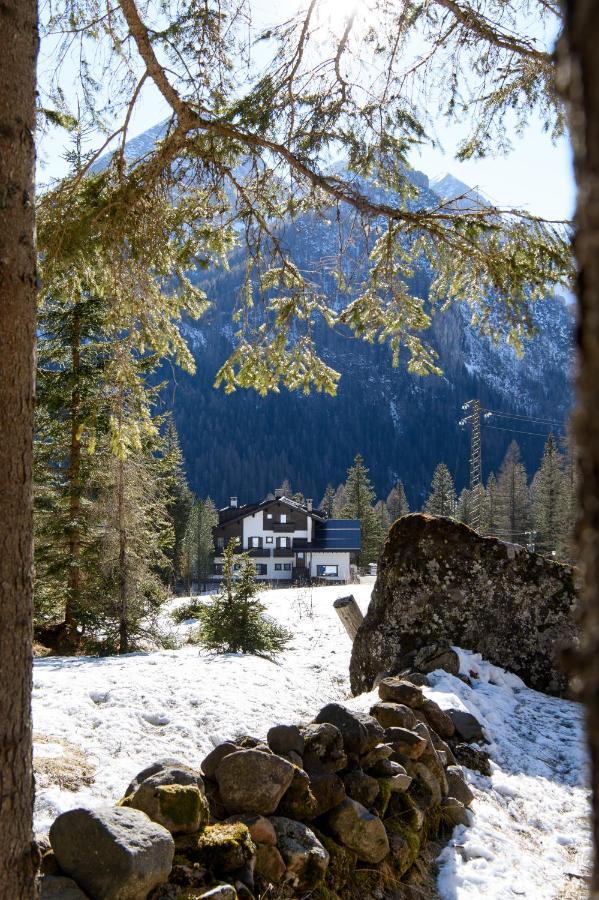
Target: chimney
<point x="309" y="504"/>
<point x="279" y="493"/>
<point x="233" y="502"/>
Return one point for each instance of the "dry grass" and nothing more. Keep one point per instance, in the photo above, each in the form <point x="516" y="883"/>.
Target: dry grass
<point x="70" y="771"/>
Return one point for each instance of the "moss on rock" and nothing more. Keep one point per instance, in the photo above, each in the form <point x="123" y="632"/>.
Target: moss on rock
<point x="222" y="848"/>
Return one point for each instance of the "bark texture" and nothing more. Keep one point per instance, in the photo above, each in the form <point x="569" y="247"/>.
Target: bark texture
<point x="18" y="52"/>
<point x="579" y="72"/>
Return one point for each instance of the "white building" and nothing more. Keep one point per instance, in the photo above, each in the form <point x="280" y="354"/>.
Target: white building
<point x="288" y="541"/>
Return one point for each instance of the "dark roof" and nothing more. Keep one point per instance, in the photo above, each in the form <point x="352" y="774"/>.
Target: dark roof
<point x="337" y="534"/>
<point x="227" y="513"/>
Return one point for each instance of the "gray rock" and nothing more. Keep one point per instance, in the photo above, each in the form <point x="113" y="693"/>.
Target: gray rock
<point x="438" y="719"/>
<point x="270" y="865"/>
<point x="457" y="785"/>
<point x="407" y="742"/>
<point x="360" y="732"/>
<point x="417" y="678"/>
<point x="361" y="787"/>
<point x="329" y="790"/>
<point x="181" y="808"/>
<point x="283" y="738"/>
<point x="396" y="690"/>
<point x="323" y="748"/>
<point x="472" y="758"/>
<point x="251" y="781"/>
<point x="467" y="726"/>
<point x="112" y="853"/>
<point x="393" y="715"/>
<point x="211" y="762"/>
<point x="439" y="581"/>
<point x="437" y="656"/>
<point x="453" y="812"/>
<point x="260" y="828"/>
<point x="400" y="782"/>
<point x="158" y="766"/>
<point x="298" y="801"/>
<point x="305" y="858"/>
<point x="356" y="828"/>
<point x="56" y="887"/>
<point x="381" y="751"/>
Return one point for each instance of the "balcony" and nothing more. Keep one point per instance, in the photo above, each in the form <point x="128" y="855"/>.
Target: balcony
<point x="286" y="552"/>
<point x="259" y="551"/>
<point x="282" y="527"/>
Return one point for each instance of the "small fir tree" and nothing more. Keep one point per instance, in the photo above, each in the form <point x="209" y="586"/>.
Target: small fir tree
<point x="513" y="498"/>
<point x="549" y="500"/>
<point x="397" y="502"/>
<point x="489" y="523"/>
<point x="442" y="498"/>
<point x="235" y="620"/>
<point x="358" y="496"/>
<point x="327" y="504"/>
<point x="179" y="499"/>
<point x="465" y="507"/>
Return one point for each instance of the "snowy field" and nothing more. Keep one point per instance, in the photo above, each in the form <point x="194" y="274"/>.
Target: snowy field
<point x="97" y="722"/>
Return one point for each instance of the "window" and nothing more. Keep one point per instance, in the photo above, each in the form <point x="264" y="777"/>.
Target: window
<point x="278" y="567"/>
<point x="220" y="543"/>
<point x="218" y="568"/>
<point x="287" y="567"/>
<point x="261" y="569"/>
<point x="283" y="542"/>
<point x="300" y="555"/>
<point x="283" y="518"/>
<point x="269" y="540"/>
<point x="255" y="542"/>
<point x="269" y="515"/>
<point x="327" y="571"/>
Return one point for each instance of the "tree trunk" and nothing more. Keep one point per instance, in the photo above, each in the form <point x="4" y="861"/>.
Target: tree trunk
<point x="579" y="71"/>
<point x="74" y="594"/>
<point x="18" y="52"/>
<point x="123" y="585"/>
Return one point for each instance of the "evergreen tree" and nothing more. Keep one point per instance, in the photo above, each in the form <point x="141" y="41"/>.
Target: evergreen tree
<point x="327" y="504"/>
<point x="198" y="543"/>
<point x="465" y="507"/>
<point x="339" y="501"/>
<point x="513" y="498"/>
<point x="235" y="620"/>
<point x="358" y="496"/>
<point x="550" y="501"/>
<point x="179" y="497"/>
<point x="489" y="521"/>
<point x="442" y="498"/>
<point x="566" y="548"/>
<point x="397" y="503"/>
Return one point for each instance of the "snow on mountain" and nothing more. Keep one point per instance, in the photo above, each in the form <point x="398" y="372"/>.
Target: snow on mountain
<point x="97" y="722"/>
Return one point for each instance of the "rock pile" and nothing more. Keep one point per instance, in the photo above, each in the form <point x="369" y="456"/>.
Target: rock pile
<point x="339" y="808"/>
<point x="439" y="581"/>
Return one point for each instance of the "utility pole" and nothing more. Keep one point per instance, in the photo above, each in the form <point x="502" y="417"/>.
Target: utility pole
<point x="473" y="407"/>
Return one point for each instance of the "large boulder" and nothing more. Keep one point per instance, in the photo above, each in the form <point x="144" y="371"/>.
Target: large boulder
<point x="439" y="581"/>
<point x="360" y="732"/>
<point x="112" y="853"/>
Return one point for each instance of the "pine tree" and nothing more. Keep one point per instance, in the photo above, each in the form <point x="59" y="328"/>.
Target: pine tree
<point x="489" y="521"/>
<point x="566" y="542"/>
<point x="397" y="503"/>
<point x="442" y="498"/>
<point x="179" y="498"/>
<point x="513" y="499"/>
<point x="358" y="496"/>
<point x="327" y="504"/>
<point x="465" y="507"/>
<point x="550" y="501"/>
<point x="235" y="620"/>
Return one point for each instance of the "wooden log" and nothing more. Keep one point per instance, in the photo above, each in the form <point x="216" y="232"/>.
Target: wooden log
<point x="349" y="613"/>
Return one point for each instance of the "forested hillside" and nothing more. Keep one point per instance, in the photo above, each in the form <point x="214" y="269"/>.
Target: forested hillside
<point x="403" y="424"/>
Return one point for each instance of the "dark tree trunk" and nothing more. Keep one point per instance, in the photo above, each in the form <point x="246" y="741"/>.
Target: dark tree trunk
<point x="18" y="52"/>
<point x="579" y="71"/>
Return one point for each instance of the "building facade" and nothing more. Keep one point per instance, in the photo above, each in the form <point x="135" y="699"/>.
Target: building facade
<point x="287" y="540"/>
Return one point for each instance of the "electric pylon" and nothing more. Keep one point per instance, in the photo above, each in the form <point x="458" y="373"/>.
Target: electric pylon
<point x="476" y="474"/>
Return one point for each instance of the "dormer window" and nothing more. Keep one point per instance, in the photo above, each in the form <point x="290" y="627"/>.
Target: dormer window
<point x="283" y="518"/>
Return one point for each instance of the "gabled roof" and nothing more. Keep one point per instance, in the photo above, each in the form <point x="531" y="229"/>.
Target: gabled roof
<point x="227" y="513"/>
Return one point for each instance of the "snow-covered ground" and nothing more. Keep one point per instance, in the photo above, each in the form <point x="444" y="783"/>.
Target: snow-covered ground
<point x="99" y="721"/>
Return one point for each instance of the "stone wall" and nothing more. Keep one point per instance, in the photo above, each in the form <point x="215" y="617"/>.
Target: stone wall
<point x="438" y="580"/>
<point x="348" y="807"/>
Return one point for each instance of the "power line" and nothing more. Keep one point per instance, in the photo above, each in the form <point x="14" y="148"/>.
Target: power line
<point x="542" y="434"/>
<point x="541" y="421"/>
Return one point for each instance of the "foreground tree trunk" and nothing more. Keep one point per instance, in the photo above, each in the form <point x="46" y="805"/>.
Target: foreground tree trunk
<point x="580" y="79"/>
<point x="18" y="52"/>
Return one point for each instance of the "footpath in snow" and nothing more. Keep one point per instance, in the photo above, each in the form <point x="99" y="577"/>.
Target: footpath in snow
<point x="97" y="722"/>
